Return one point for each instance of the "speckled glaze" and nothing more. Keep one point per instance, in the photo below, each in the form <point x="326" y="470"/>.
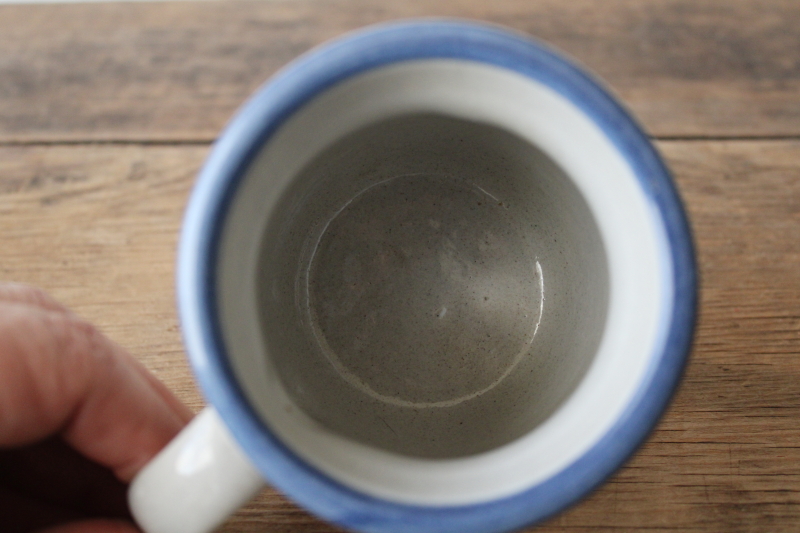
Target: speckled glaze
<point x="433" y="278"/>
<point x="403" y="294"/>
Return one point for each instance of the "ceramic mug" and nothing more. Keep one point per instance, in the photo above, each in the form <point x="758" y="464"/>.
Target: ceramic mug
<point x="432" y="277"/>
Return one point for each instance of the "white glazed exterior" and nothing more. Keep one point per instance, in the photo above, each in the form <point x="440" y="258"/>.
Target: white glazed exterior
<point x="196" y="482"/>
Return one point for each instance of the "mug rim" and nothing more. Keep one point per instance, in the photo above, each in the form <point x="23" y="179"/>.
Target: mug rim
<point x="264" y="113"/>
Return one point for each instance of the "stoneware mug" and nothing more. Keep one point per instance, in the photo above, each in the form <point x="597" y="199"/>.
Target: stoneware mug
<point x="432" y="278"/>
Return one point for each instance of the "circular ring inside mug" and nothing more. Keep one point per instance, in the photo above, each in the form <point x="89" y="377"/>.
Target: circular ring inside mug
<point x="423" y="291"/>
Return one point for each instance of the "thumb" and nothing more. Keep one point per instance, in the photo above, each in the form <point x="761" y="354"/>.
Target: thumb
<point x="60" y="375"/>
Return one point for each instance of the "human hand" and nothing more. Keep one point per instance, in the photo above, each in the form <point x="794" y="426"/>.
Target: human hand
<point x="78" y="418"/>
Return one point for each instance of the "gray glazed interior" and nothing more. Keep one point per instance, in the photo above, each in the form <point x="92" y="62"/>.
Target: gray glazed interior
<point x="432" y="286"/>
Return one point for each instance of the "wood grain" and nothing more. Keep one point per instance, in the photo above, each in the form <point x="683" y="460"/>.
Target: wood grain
<point x="97" y="227"/>
<point x="176" y="71"/>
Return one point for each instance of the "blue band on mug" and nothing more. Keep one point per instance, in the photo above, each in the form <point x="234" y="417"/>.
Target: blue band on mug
<point x="261" y="116"/>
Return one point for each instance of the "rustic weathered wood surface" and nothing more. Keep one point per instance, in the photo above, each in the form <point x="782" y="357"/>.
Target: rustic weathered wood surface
<point x="718" y="82"/>
<point x="176" y="71"/>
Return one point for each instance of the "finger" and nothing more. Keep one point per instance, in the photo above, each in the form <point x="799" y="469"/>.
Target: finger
<point x="30" y="295"/>
<point x="59" y="374"/>
<point x="94" y="526"/>
<point x="26" y="294"/>
<point x="183" y="412"/>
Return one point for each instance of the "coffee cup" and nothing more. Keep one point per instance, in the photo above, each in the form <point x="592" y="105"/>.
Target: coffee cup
<point x="432" y="278"/>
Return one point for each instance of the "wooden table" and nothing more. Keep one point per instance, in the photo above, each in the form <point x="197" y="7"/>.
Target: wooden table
<point x="107" y="111"/>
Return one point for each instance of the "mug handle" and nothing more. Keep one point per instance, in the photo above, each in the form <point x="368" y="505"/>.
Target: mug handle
<point x="196" y="482"/>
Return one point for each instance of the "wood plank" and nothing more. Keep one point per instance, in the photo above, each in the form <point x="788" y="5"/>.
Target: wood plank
<point x="97" y="226"/>
<point x="178" y="70"/>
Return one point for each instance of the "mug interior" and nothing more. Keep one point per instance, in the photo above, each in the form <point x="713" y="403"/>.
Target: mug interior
<point x="431" y="286"/>
<point x="439" y="282"/>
